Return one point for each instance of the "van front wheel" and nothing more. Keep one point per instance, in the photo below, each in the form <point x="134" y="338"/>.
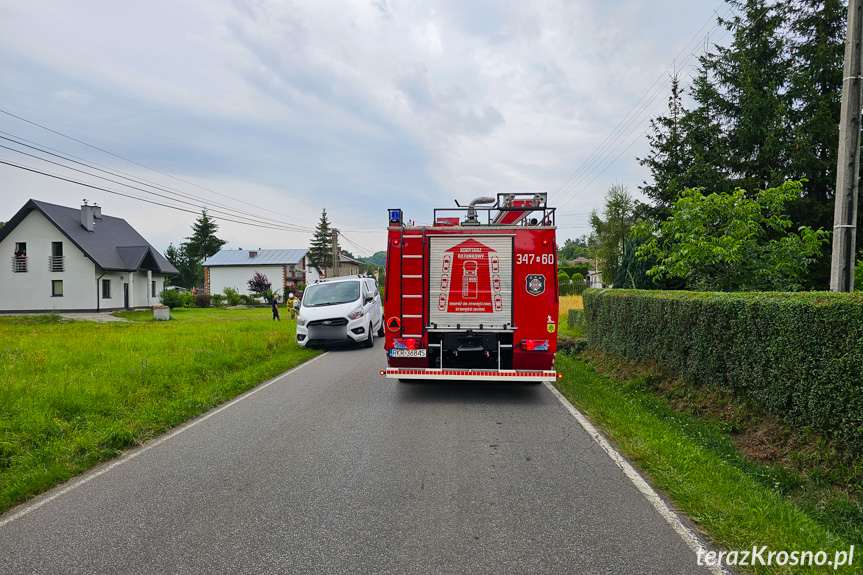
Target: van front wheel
<point x="370" y="341"/>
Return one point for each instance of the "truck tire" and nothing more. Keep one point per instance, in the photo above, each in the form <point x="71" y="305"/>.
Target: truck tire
<point x="370" y="341"/>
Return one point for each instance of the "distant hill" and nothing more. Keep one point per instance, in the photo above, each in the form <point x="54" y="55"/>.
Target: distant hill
<point x="379" y="259"/>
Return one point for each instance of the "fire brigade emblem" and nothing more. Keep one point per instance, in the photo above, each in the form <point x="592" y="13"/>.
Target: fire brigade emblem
<point x="535" y="284"/>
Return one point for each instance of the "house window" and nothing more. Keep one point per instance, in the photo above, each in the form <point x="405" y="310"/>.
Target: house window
<point x="106" y="289"/>
<point x="153" y="288"/>
<point x="55" y="262"/>
<point x="19" y="257"/>
<point x="56" y="288"/>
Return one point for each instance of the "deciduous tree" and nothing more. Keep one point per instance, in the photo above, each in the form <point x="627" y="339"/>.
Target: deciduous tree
<point x="609" y="235"/>
<point x="259" y="284"/>
<point x="732" y="242"/>
<point x="191" y="273"/>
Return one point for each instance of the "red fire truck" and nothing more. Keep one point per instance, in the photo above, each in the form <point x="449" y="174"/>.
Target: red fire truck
<point x="474" y="295"/>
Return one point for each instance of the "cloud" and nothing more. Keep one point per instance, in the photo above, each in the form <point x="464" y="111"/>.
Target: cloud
<point x="352" y="105"/>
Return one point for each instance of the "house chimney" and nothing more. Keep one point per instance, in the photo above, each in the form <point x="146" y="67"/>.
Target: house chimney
<point x="87" y="217"/>
<point x="97" y="211"/>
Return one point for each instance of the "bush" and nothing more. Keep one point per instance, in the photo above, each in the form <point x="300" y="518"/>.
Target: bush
<point x="578" y="284"/>
<point x="232" y="296"/>
<point x="217" y="299"/>
<point x="173" y="298"/>
<point x="202" y="300"/>
<point x="797" y="355"/>
<point x="572" y="270"/>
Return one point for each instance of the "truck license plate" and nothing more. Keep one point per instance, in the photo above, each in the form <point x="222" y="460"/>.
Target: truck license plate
<point x="408" y="352"/>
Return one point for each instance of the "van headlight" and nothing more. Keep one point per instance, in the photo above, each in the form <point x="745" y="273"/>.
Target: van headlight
<point x="356" y="313"/>
<point x="301" y="320"/>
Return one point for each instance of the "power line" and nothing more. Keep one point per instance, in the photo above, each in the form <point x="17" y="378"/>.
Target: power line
<point x="115" y="192"/>
<point x="142" y="165"/>
<point x="255" y="221"/>
<point x="616" y="138"/>
<point x="143" y="182"/>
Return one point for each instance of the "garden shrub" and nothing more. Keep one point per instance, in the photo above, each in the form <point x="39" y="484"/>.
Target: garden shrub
<point x="232" y="296"/>
<point x="572" y="270"/>
<point x="172" y="298"/>
<point x="202" y="300"/>
<point x="797" y="355"/>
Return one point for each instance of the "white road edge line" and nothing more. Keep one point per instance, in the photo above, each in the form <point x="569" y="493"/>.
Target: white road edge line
<point x="640" y="483"/>
<point x="44" y="500"/>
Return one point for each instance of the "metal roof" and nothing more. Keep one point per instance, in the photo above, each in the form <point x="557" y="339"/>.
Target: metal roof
<point x="114" y="245"/>
<point x="262" y="258"/>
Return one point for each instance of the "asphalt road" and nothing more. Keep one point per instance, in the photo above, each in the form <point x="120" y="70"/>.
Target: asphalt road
<point x="330" y="468"/>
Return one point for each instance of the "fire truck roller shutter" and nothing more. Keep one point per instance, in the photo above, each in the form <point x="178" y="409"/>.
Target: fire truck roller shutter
<point x="470" y="281"/>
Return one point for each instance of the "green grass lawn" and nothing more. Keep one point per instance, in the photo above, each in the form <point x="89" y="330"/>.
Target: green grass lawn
<point x="737" y="503"/>
<point x="75" y="394"/>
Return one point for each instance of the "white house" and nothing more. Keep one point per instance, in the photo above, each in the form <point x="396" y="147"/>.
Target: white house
<point x="594" y="279"/>
<point x="68" y="259"/>
<point x="234" y="269"/>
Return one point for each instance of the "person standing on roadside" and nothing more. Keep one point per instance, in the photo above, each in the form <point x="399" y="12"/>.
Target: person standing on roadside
<point x="294" y="304"/>
<point x="275" y="303"/>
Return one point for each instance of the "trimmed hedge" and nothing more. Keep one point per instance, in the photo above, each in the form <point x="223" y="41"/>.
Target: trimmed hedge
<point x="798" y="355"/>
<point x="575" y="318"/>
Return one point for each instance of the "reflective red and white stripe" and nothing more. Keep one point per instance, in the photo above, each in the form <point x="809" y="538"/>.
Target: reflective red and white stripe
<point x="470" y="374"/>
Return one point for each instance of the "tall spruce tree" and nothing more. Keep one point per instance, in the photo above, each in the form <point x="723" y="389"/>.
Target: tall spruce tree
<point x="203" y="242"/>
<point x="750" y="78"/>
<point x="321" y="248"/>
<point x="667" y="159"/>
<point x="703" y="138"/>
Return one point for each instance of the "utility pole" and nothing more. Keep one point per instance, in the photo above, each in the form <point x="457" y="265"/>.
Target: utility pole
<point x="848" y="163"/>
<point x="335" y="253"/>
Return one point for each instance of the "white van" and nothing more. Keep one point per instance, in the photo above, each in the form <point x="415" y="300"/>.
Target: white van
<point x="340" y="310"/>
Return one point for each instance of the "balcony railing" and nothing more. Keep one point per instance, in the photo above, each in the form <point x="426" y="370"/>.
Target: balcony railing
<point x="56" y="263"/>
<point x="19" y="264"/>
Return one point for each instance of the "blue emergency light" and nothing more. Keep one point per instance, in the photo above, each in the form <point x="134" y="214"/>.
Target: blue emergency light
<point x="395" y="217"/>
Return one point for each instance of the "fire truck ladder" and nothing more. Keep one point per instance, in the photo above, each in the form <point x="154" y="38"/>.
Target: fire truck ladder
<point x="413" y="287"/>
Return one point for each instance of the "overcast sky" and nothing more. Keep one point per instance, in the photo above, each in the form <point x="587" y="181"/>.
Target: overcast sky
<point x="282" y="108"/>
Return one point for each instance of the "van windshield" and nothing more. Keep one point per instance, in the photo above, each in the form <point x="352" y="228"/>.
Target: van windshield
<point x="331" y="294"/>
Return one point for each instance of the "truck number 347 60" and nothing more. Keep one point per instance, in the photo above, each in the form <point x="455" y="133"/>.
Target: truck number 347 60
<point x="534" y="258"/>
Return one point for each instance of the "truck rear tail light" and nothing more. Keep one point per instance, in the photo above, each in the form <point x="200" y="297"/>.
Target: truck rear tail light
<point x="407" y="343"/>
<point x="534" y="344"/>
